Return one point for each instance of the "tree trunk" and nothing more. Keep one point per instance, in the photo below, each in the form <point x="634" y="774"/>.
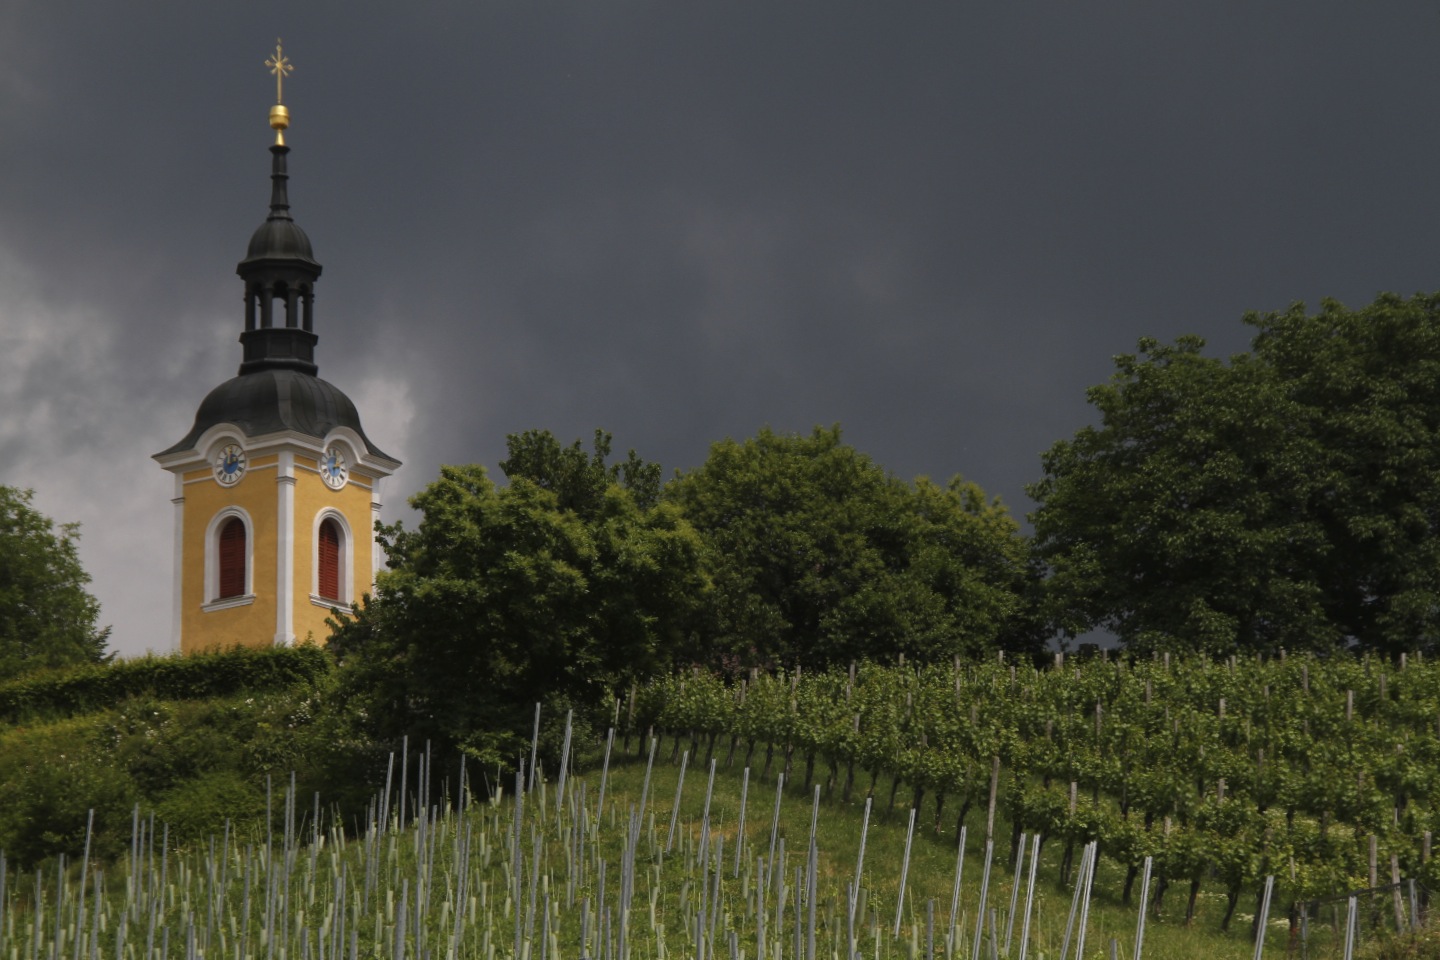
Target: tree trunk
<point x="939" y="808"/>
<point x="1160" y="887"/>
<point x="849" y="781"/>
<point x="1130" y="873"/>
<point x="730" y="757"/>
<point x="769" y="755"/>
<point x="894" y="788"/>
<point x="1232" y="896"/>
<point x="1190" y="907"/>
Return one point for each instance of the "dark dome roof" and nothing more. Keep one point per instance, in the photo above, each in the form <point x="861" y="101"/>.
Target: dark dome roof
<point x="269" y="401"/>
<point x="278" y="239"/>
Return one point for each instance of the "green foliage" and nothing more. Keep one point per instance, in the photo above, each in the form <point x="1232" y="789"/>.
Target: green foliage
<point x="504" y="597"/>
<point x="579" y="482"/>
<point x="1285" y="498"/>
<point x="47" y="617"/>
<point x="195" y="763"/>
<point x="50" y="779"/>
<point x="1223" y="773"/>
<point x="181" y="754"/>
<point x="194" y="807"/>
<point x="94" y="687"/>
<point x="1422" y="944"/>
<point x="820" y="557"/>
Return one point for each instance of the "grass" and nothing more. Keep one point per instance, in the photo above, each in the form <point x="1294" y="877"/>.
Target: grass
<point x="542" y="881"/>
<point x="932" y="867"/>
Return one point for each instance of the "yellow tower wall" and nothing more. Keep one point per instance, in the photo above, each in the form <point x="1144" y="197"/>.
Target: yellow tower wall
<point x="353" y="502"/>
<point x="284" y="496"/>
<point x="251" y="624"/>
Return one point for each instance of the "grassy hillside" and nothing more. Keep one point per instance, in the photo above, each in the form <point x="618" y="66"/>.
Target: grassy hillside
<point x="930" y="878"/>
<point x="192" y="739"/>
<point x="179" y="853"/>
<point x="447" y="884"/>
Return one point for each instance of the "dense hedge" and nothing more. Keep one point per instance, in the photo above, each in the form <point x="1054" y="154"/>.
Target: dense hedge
<point x="84" y="689"/>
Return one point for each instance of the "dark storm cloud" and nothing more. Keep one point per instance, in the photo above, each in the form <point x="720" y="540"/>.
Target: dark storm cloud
<point x="932" y="223"/>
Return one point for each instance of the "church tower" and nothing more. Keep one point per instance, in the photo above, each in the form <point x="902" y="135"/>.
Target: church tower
<point x="277" y="488"/>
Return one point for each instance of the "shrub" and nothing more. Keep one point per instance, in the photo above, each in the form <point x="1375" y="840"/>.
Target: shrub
<point x="196" y="676"/>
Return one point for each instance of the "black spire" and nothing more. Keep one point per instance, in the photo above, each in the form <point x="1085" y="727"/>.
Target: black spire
<point x="279" y="271"/>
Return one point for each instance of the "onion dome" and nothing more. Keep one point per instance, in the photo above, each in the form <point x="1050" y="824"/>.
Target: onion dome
<point x="277" y="400"/>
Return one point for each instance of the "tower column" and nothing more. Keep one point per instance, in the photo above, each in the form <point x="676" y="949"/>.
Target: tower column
<point x="177" y="574"/>
<point x="377" y="556"/>
<point x="285" y="551"/>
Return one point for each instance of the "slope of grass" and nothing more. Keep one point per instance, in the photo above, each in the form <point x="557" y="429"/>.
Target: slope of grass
<point x="545" y="879"/>
<point x="931" y="872"/>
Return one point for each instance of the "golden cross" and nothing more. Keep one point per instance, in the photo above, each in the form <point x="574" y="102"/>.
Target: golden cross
<point x="279" y="65"/>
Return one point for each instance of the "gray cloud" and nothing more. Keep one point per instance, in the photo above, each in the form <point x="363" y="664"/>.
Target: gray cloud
<point x="932" y="223"/>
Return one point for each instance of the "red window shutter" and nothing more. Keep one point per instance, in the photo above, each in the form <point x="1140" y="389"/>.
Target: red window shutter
<point x="232" y="559"/>
<point x="329" y="560"/>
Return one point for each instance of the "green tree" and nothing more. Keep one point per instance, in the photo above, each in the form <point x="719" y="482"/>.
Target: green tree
<point x="579" y="482"/>
<point x="1286" y="497"/>
<point x="47" y="617"/>
<point x="819" y="556"/>
<point x="502" y="598"/>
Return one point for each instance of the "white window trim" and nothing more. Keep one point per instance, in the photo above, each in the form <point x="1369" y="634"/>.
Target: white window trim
<point x="212" y="561"/>
<point x="345" y="575"/>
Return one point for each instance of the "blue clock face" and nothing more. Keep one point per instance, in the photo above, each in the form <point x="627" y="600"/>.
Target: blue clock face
<point x="333" y="468"/>
<point x="230" y="465"/>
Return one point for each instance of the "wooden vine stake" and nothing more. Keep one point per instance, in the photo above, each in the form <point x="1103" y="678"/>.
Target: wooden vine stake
<point x="1395" y="889"/>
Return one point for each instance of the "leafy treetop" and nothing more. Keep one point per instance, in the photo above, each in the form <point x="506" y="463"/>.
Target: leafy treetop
<point x="819" y="556"/>
<point x="47" y="617"/>
<point x="1283" y="498"/>
<point x="579" y="482"/>
<point x="556" y="589"/>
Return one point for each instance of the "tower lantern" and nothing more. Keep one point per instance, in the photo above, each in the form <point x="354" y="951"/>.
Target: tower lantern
<point x="277" y="487"/>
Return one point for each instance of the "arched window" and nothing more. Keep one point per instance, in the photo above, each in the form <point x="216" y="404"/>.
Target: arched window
<point x="232" y="559"/>
<point x="328" y="573"/>
<point x="332" y="566"/>
<point x="229" y="543"/>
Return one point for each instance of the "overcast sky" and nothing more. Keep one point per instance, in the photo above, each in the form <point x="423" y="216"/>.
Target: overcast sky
<point x="932" y="223"/>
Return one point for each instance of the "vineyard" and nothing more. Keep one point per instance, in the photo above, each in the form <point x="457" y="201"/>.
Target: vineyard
<point x="1320" y="773"/>
<point x="660" y="867"/>
<point x="1095" y="796"/>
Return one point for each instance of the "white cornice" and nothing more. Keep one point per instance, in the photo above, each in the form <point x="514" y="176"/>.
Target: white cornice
<point x="283" y="441"/>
